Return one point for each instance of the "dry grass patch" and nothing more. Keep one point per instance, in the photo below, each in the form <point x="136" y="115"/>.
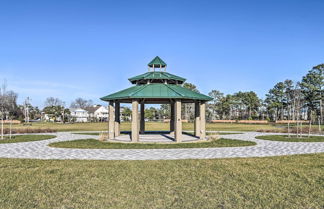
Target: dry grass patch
<point x="292" y="138"/>
<point x="150" y="126"/>
<point x="25" y="138"/>
<point x="16" y="130"/>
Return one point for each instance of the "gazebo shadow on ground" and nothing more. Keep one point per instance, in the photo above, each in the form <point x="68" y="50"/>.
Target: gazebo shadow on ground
<point x="155" y="137"/>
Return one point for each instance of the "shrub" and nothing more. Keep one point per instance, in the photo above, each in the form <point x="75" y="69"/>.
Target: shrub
<point x="103" y="136"/>
<point x="291" y="130"/>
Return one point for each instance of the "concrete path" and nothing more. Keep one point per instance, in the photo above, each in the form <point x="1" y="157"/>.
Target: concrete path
<point x="40" y="150"/>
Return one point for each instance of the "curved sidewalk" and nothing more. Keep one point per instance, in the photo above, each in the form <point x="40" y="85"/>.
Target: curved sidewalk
<point x="40" y="150"/>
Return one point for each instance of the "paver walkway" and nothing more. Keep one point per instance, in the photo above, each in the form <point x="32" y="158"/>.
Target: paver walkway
<point x="40" y="150"/>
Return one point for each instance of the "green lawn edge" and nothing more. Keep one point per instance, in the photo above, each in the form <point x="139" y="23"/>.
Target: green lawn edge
<point x="294" y="181"/>
<point x="90" y="134"/>
<point x="293" y="138"/>
<point x="26" y="138"/>
<point x="96" y="144"/>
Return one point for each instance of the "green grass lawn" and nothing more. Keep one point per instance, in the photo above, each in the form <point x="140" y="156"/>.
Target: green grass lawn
<point x="293" y="138"/>
<point x="221" y="133"/>
<point x="96" y="144"/>
<point x="26" y="138"/>
<point x="90" y="134"/>
<point x="150" y="126"/>
<point x="272" y="182"/>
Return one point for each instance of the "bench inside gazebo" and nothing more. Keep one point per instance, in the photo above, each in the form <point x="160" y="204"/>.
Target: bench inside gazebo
<point x="156" y="87"/>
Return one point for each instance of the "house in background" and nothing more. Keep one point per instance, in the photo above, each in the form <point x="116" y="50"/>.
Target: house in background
<point x="79" y="115"/>
<point x="97" y="113"/>
<point x="50" y="118"/>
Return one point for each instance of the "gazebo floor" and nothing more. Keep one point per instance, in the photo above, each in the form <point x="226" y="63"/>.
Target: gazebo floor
<point x="158" y="137"/>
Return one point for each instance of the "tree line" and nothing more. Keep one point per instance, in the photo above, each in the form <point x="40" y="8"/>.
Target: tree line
<point x="54" y="107"/>
<point x="287" y="100"/>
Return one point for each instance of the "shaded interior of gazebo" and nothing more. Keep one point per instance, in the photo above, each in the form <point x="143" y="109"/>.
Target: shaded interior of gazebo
<point x="156" y="87"/>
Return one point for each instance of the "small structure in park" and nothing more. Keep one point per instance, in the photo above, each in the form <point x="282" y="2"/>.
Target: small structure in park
<point x="156" y="87"/>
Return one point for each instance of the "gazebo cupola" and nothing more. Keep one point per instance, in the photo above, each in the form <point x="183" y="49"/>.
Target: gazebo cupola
<point x="157" y="62"/>
<point x="157" y="74"/>
<point x="156" y="87"/>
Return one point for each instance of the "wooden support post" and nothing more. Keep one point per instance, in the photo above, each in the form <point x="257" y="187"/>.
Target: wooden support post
<point x="142" y="118"/>
<point x="117" y="119"/>
<point x="178" y="122"/>
<point x="135" y="135"/>
<point x="202" y="121"/>
<point x="172" y="118"/>
<point x="197" y="119"/>
<point x="111" y="122"/>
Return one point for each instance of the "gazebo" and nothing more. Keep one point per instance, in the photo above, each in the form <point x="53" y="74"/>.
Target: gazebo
<point x="156" y="87"/>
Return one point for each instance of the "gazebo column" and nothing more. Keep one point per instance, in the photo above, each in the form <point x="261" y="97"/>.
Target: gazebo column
<point x="202" y="120"/>
<point x="178" y="122"/>
<point x="135" y="132"/>
<point x="117" y="119"/>
<point x="142" y="122"/>
<point x="197" y="119"/>
<point x="172" y="118"/>
<point x="111" y="122"/>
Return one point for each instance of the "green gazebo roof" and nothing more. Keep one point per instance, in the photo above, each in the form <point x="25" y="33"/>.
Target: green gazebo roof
<point x="157" y="62"/>
<point x="156" y="91"/>
<point x="156" y="87"/>
<point x="157" y="75"/>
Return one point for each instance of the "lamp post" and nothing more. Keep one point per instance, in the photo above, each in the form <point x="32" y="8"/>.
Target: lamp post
<point x="27" y="111"/>
<point x="63" y="112"/>
<point x="320" y="118"/>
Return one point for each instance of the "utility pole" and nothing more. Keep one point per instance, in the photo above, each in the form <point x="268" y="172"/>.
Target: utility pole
<point x="2" y="123"/>
<point x="2" y="103"/>
<point x="63" y="104"/>
<point x="319" y="125"/>
<point x="321" y="115"/>
<point x="27" y="110"/>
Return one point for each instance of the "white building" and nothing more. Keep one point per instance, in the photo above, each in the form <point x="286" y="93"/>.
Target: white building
<point x="95" y="113"/>
<point x="79" y="115"/>
<point x="98" y="113"/>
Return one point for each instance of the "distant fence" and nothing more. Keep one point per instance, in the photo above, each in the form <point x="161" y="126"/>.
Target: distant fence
<point x="241" y="121"/>
<point x="253" y="121"/>
<point x="291" y="121"/>
<point x="223" y="121"/>
<point x="259" y="121"/>
<point x="168" y="121"/>
<point x="13" y="122"/>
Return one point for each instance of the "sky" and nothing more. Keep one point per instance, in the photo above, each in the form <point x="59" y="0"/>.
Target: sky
<point x="69" y="49"/>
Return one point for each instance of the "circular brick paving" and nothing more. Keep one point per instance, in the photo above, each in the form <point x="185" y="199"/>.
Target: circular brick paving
<point x="40" y="150"/>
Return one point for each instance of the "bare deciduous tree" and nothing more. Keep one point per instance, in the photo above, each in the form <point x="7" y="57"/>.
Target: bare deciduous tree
<point x="51" y="101"/>
<point x="7" y="105"/>
<point x="81" y="103"/>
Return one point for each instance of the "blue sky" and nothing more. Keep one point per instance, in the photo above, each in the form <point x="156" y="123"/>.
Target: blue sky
<point x="70" y="49"/>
